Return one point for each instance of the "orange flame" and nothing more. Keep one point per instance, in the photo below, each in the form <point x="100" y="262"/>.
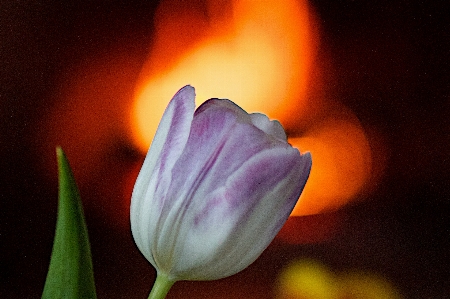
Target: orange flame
<point x="260" y="59"/>
<point x="342" y="163"/>
<point x="260" y="54"/>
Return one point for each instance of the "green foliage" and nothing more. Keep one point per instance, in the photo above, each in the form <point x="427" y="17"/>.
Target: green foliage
<point x="70" y="274"/>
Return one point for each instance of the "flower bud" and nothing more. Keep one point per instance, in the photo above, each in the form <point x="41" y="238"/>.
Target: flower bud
<point x="215" y="188"/>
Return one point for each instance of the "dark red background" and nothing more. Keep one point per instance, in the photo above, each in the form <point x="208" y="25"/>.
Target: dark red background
<point x="391" y="67"/>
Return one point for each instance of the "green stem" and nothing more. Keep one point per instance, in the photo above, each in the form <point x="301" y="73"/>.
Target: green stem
<point x="161" y="287"/>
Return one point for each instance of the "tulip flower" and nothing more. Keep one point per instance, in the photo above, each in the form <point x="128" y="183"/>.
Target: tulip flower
<point x="215" y="188"/>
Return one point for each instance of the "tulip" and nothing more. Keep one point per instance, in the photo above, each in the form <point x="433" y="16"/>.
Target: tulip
<point x="215" y="188"/>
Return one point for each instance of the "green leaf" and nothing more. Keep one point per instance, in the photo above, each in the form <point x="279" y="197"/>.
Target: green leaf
<point x="70" y="273"/>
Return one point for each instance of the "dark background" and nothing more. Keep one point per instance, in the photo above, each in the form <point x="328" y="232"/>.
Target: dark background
<point x="390" y="66"/>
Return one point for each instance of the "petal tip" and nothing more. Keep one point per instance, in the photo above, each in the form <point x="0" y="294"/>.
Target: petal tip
<point x="307" y="155"/>
<point x="188" y="90"/>
<point x="184" y="94"/>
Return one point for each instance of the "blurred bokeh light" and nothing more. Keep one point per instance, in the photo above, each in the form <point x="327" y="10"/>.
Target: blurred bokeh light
<point x="257" y="53"/>
<point x="310" y="279"/>
<point x="341" y="161"/>
<point x="260" y="54"/>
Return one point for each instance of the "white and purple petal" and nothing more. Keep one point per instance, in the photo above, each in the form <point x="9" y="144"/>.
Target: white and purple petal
<point x="155" y="176"/>
<point x="216" y="187"/>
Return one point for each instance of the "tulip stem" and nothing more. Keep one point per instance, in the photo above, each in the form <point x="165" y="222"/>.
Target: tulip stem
<point x="161" y="287"/>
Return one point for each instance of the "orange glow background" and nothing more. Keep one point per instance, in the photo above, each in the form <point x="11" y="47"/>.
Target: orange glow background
<point x="257" y="53"/>
<point x="262" y="55"/>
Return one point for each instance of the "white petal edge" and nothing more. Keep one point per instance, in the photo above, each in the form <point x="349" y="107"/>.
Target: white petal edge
<point x="273" y="128"/>
<point x="175" y="127"/>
